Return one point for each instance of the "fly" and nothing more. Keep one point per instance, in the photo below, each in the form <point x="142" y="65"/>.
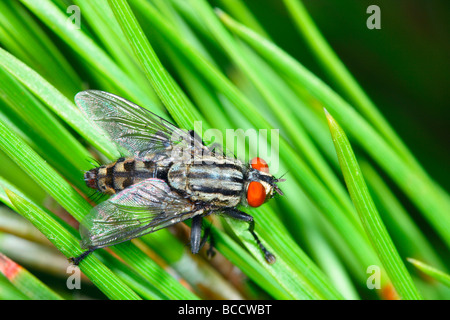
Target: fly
<point x="168" y="176"/>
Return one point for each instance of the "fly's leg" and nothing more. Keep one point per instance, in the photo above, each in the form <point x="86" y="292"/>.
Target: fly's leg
<point x="76" y="260"/>
<point x="207" y="235"/>
<point x="196" y="234"/>
<point x="213" y="149"/>
<point x="197" y="241"/>
<point x="196" y="137"/>
<point x="239" y="215"/>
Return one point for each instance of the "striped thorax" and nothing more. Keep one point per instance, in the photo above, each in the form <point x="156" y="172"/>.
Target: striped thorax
<point x="216" y="181"/>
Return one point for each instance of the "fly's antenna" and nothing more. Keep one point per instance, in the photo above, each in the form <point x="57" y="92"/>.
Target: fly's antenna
<point x="280" y="179"/>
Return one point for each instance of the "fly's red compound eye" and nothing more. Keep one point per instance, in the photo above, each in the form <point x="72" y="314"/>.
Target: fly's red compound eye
<point x="256" y="194"/>
<point x="260" y="165"/>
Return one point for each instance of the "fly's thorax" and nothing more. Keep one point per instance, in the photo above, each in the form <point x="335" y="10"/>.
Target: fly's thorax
<point x="116" y="176"/>
<point x="216" y="181"/>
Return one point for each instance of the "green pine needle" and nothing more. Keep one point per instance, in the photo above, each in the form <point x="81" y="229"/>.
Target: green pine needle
<point x="369" y="216"/>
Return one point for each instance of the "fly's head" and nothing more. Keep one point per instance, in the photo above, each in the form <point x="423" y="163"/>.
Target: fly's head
<point x="261" y="185"/>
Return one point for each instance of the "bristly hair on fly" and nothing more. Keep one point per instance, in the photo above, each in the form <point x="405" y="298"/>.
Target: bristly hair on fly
<point x="95" y="196"/>
<point x="280" y="179"/>
<point x="93" y="161"/>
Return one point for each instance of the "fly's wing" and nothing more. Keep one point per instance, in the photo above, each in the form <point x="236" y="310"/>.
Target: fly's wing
<point x="140" y="209"/>
<point x="137" y="130"/>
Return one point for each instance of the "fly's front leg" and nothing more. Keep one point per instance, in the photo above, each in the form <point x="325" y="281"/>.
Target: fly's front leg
<point x="239" y="215"/>
<point x="76" y="260"/>
<point x="197" y="242"/>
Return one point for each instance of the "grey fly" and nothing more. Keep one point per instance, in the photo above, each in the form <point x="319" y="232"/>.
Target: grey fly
<point x="168" y="176"/>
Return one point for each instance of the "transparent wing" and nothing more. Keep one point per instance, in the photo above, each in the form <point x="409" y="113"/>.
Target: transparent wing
<point x="140" y="209"/>
<point x="132" y="127"/>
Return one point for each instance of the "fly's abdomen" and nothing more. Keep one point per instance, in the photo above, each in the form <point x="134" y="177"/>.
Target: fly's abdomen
<point x="114" y="177"/>
<point x="220" y="184"/>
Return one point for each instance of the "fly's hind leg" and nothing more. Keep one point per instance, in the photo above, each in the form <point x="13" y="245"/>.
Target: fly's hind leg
<point x="207" y="235"/>
<point x="239" y="215"/>
<point x="76" y="260"/>
<point x="197" y="241"/>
